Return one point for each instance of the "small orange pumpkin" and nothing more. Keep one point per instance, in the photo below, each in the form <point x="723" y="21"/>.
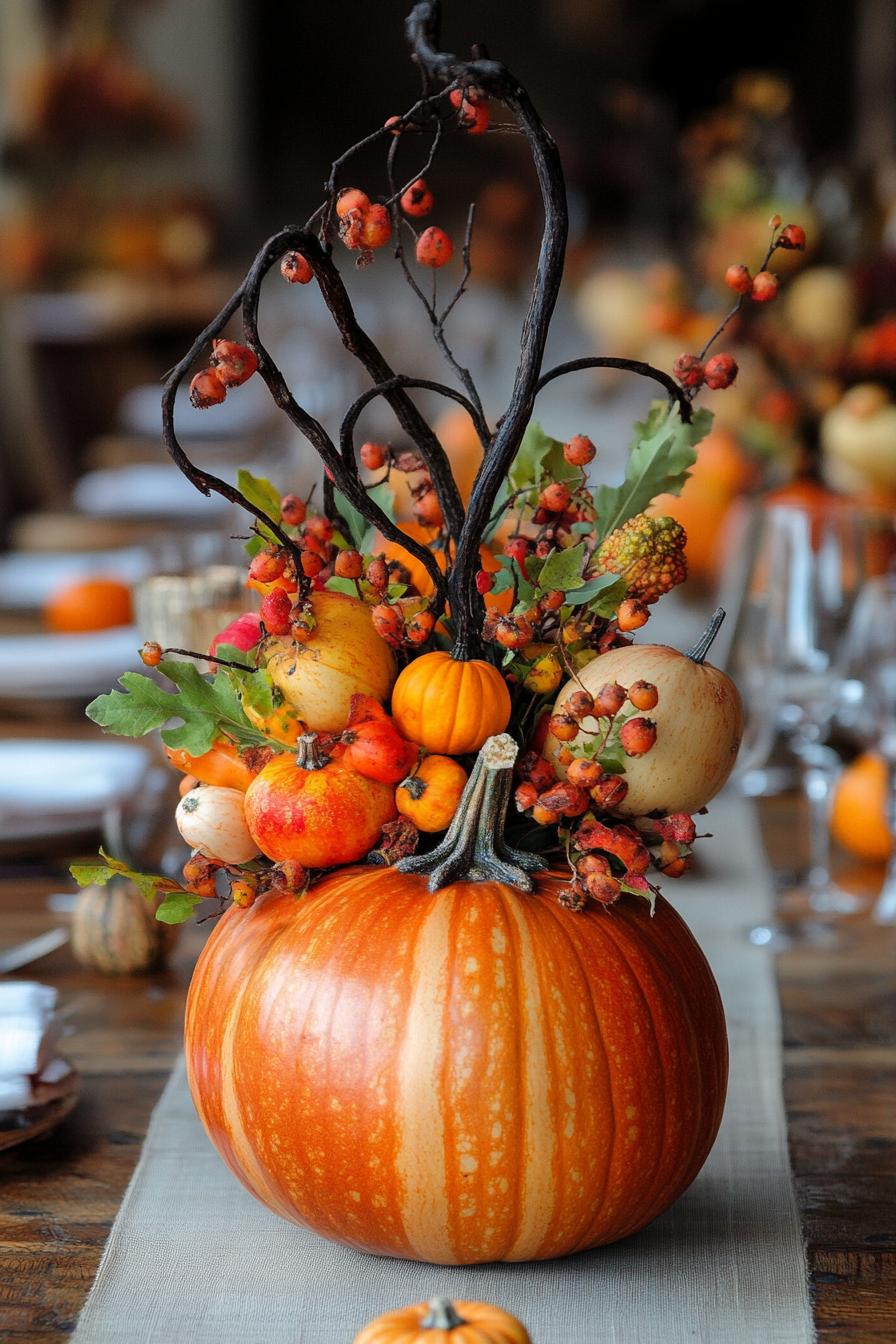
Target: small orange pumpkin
<point x="450" y="707"/>
<point x="429" y="797"/>
<point x="441" y="1321"/>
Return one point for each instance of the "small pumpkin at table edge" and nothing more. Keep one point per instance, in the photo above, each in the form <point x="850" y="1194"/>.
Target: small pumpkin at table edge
<point x="440" y="1319"/>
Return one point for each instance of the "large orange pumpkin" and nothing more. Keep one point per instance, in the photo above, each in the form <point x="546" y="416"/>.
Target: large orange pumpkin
<point x="468" y="1075"/>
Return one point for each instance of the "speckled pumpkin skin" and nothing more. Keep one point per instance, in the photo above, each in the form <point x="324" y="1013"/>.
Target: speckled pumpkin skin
<point x="468" y="1076"/>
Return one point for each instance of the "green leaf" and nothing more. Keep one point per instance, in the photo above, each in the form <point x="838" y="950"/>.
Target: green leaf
<point x="208" y="707"/>
<point x="662" y="453"/>
<point x="253" y="688"/>
<point x="539" y="455"/>
<point x="263" y="495"/>
<point x="563" y="569"/>
<point x="362" y="533"/>
<point x="177" y="907"/>
<point x="601" y="594"/>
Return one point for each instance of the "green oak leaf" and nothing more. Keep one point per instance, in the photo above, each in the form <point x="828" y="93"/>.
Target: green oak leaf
<point x="661" y="456"/>
<point x="208" y="707"/>
<point x="177" y="907"/>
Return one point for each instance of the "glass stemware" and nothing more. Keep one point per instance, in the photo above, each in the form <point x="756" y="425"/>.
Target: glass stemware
<point x="806" y="571"/>
<point x="867" y="671"/>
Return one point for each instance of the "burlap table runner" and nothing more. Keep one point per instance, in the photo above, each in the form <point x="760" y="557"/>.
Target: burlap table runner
<point x="193" y="1258"/>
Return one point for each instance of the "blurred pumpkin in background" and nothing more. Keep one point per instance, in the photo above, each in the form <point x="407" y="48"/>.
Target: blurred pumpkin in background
<point x="859" y="813"/>
<point x="89" y="604"/>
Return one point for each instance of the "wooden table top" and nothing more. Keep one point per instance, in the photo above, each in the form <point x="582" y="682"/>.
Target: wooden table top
<point x="59" y="1195"/>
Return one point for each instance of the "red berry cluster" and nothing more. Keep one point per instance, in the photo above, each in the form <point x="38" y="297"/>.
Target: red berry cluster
<point x="721" y="370"/>
<point x="231" y="365"/>
<point x="472" y="109"/>
<point x="363" y="225"/>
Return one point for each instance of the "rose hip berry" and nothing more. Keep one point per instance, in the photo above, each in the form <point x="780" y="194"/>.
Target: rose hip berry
<point x="688" y="370"/>
<point x="609" y="699"/>
<point x="434" y="248"/>
<point x="207" y="389"/>
<point x="376" y="227"/>
<point x="296" y="269"/>
<point x="312" y="564"/>
<point x="276" y="611"/>
<point x="643" y="695"/>
<point x="720" y="371"/>
<point x="378" y="574"/>
<point x="609" y="792"/>
<point x="579" y="451"/>
<point x="348" y="565"/>
<point x="428" y="510"/>
<point x="293" y="510"/>
<point x="563" y="727"/>
<point x="637" y="736"/>
<point x="373" y="456"/>
<point x="233" y="362"/>
<point x="525" y="796"/>
<point x="266" y="566"/>
<point x="580" y="705"/>
<point x="792" y="237"/>
<point x="584" y="773"/>
<point x="554" y="497"/>
<point x="632" y="614"/>
<point x="388" y="624"/>
<point x="151" y="653"/>
<point x="349" y="199"/>
<point x="765" y="287"/>
<point x="739" y="279"/>
<point x="418" y="200"/>
<point x="485" y="582"/>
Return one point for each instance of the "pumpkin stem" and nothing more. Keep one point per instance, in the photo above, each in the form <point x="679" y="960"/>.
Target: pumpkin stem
<point x="308" y="753"/>
<point x="442" y="1315"/>
<point x="474" y="849"/>
<point x="704" y="643"/>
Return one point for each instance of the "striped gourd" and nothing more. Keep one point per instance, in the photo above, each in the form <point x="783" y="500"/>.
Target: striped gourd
<point x="114" y="930"/>
<point x="464" y="1075"/>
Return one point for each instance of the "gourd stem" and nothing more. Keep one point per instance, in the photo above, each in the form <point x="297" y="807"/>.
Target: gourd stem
<point x="442" y="1315"/>
<point x="474" y="849"/>
<point x="704" y="643"/>
<point x="308" y="753"/>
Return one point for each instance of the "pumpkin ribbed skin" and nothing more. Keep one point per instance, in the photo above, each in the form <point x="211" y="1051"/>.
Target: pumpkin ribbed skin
<point x="481" y="1324"/>
<point x="450" y="707"/>
<point x="468" y="1076"/>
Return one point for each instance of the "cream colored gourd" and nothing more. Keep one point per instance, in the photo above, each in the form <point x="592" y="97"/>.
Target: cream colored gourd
<point x="344" y="657"/>
<point x="212" y="819"/>
<point x="114" y="930"/>
<point x="820" y="307"/>
<point x="699" y="724"/>
<point x="858" y="438"/>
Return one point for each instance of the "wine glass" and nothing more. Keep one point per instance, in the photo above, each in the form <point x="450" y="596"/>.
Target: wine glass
<point x="806" y="571"/>
<point x="867" y="672"/>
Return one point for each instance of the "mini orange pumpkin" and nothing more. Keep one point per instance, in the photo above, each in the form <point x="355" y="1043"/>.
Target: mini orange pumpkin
<point x="450" y="707"/>
<point x="429" y="797"/>
<point x="440" y="1321"/>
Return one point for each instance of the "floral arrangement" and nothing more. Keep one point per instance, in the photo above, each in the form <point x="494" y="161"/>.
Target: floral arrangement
<point x="340" y="724"/>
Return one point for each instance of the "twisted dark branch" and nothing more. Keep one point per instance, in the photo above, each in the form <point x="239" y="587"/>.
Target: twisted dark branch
<point x="359" y="344"/>
<point x="675" y="391"/>
<point x="350" y="420"/>
<point x="343" y="472"/>
<point x="496" y="80"/>
<point x="206" y="481"/>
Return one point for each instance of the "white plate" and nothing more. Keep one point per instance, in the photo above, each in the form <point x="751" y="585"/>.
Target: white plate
<point x="246" y="411"/>
<point x="63" y="667"/>
<point x="28" y="580"/>
<point x="48" y="787"/>
<point x="147" y="490"/>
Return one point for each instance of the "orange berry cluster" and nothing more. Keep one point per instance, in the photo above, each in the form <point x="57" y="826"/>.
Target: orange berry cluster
<point x="200" y="876"/>
<point x="231" y="365"/>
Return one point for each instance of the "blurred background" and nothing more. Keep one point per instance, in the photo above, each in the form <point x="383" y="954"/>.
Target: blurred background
<point x="148" y="146"/>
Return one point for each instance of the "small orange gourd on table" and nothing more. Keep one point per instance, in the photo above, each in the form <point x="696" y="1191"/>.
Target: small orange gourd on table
<point x="441" y="1321"/>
